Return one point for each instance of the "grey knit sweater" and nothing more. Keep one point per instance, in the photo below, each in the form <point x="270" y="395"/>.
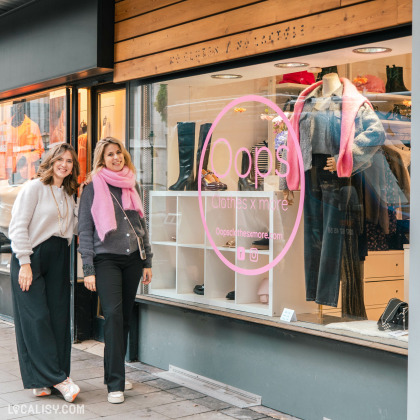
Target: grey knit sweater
<point x="122" y="241"/>
<point x="34" y="218"/>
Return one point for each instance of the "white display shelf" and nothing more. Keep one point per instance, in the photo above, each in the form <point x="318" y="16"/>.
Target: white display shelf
<point x="191" y="260"/>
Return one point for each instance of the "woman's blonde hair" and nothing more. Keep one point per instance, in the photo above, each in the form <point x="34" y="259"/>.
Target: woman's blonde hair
<point x="98" y="155"/>
<point x="46" y="172"/>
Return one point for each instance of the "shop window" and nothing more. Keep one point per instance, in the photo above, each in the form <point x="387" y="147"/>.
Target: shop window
<point x="111" y="114"/>
<point x="28" y="127"/>
<point x="251" y="241"/>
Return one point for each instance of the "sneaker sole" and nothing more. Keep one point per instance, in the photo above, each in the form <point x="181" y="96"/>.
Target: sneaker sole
<point x="129" y="387"/>
<point x="43" y="394"/>
<point x="74" y="397"/>
<point x="115" y="400"/>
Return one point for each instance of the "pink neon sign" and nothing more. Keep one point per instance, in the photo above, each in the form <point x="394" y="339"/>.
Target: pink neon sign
<point x="292" y="135"/>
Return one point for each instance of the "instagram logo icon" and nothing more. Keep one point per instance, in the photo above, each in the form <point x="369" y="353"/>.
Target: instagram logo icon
<point x="253" y="255"/>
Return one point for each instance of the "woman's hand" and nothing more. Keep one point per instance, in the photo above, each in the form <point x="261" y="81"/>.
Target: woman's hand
<point x="25" y="277"/>
<point x="331" y="165"/>
<point x="90" y="283"/>
<point x="81" y="186"/>
<point x="147" y="275"/>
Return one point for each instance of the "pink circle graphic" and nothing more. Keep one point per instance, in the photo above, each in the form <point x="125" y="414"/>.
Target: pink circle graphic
<point x="292" y="134"/>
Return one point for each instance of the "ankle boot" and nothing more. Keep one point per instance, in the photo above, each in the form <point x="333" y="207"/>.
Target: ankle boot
<point x="245" y="184"/>
<point x="192" y="185"/>
<point x="388" y="80"/>
<point x="398" y="80"/>
<point x="186" y="141"/>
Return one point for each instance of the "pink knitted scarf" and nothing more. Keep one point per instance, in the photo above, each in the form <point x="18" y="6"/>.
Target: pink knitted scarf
<point x="352" y="100"/>
<point x="103" y="212"/>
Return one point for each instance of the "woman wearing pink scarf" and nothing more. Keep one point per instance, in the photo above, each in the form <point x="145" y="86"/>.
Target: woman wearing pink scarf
<point x="115" y="249"/>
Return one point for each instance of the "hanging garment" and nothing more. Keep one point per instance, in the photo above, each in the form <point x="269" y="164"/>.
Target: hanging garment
<point x="352" y="294"/>
<point x="28" y="143"/>
<point x="325" y="130"/>
<point x="6" y="147"/>
<point x="82" y="156"/>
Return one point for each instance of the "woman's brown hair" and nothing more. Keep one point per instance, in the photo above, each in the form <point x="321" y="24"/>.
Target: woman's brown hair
<point x="98" y="154"/>
<point x="45" y="171"/>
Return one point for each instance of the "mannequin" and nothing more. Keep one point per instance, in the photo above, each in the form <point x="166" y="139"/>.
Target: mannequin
<point x="330" y="83"/>
<point x="338" y="133"/>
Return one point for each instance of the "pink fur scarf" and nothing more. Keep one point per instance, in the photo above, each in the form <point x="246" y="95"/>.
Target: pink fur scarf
<point x="352" y="100"/>
<point x="103" y="212"/>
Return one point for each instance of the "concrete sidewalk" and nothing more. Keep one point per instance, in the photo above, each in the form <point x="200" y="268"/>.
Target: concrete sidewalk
<point x="151" y="397"/>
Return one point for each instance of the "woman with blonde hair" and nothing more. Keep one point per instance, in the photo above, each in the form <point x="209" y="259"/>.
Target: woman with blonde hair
<point x="44" y="217"/>
<point x="115" y="249"/>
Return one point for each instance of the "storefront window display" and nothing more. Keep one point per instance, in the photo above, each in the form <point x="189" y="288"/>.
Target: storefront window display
<point x="28" y="126"/>
<point x="283" y="185"/>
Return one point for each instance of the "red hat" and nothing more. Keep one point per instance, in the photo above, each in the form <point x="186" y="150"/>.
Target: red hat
<point x="300" y="77"/>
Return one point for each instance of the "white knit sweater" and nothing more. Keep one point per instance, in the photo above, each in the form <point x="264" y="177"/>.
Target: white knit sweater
<point x="35" y="218"/>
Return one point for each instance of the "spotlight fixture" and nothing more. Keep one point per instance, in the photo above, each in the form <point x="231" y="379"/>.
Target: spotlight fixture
<point x="371" y="50"/>
<point x="226" y="76"/>
<point x="290" y="64"/>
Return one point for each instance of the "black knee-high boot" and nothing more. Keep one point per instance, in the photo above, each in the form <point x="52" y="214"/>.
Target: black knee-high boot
<point x="246" y="184"/>
<point x="186" y="140"/>
<point x="204" y="130"/>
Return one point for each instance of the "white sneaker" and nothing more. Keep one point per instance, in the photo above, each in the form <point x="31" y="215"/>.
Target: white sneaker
<point x="128" y="385"/>
<point x="68" y="389"/>
<point x="116" y="397"/>
<point x="41" y="392"/>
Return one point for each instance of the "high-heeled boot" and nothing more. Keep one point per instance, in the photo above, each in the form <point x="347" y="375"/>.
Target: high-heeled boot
<point x="186" y="141"/>
<point x="204" y="130"/>
<point x="398" y="80"/>
<point x="246" y="184"/>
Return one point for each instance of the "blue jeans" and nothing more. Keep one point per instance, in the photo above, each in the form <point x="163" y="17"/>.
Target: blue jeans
<point x="324" y="230"/>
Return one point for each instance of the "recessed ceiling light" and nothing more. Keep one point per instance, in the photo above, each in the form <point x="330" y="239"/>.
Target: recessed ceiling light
<point x="290" y="64"/>
<point x="371" y="50"/>
<point x="226" y="76"/>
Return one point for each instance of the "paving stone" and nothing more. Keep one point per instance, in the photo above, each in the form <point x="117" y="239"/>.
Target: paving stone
<point x="186" y="393"/>
<point x="10" y="366"/>
<point x="243" y="413"/>
<point x="11" y="386"/>
<point x="141" y="388"/>
<point x="212" y="403"/>
<point x="162" y="384"/>
<point x="180" y="409"/>
<point x="139" y="414"/>
<point x="94" y="372"/>
<point x="140" y="376"/>
<point x="8" y="376"/>
<point x="97" y="383"/>
<point x="145" y="367"/>
<point x="272" y="413"/>
<point x="107" y="409"/>
<point x="154" y="399"/>
<point x="210" y="415"/>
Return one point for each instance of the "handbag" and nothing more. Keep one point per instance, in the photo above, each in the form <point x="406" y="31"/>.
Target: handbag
<point x="395" y="316"/>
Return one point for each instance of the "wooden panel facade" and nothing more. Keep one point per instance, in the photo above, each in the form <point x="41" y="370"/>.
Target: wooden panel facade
<point x="155" y="39"/>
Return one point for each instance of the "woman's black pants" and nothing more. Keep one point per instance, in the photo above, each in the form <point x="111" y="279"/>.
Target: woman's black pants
<point x="42" y="315"/>
<point x="117" y="280"/>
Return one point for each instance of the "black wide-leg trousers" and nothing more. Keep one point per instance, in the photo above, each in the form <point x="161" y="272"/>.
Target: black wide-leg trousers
<point x="117" y="280"/>
<point x="42" y="315"/>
